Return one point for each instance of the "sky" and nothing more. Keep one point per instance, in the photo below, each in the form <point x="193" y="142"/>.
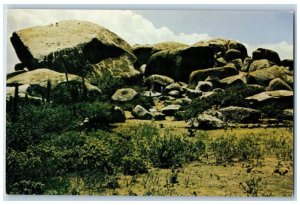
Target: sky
<point x="267" y="29"/>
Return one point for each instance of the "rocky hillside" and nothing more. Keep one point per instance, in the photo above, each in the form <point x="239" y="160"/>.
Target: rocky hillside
<point x="210" y="84"/>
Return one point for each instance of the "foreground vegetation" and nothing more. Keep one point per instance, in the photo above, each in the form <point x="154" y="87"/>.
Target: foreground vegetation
<point x="49" y="152"/>
<point x="72" y="145"/>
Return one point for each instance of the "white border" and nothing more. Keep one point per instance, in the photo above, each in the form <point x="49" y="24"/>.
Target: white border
<point x="119" y="4"/>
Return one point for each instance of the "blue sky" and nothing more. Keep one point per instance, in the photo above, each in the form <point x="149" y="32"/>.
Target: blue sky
<point x="253" y="27"/>
<point x="267" y="29"/>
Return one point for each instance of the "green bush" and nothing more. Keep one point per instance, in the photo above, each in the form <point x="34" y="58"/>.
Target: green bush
<point x="67" y="93"/>
<point x="248" y="148"/>
<point x="65" y="155"/>
<point x="99" y="114"/>
<point x="108" y="84"/>
<point x="35" y="123"/>
<point x="133" y="164"/>
<point x="173" y="151"/>
<point x="224" y="149"/>
<point x="232" y="96"/>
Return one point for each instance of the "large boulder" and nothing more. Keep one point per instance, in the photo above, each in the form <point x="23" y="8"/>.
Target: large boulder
<point x="220" y="46"/>
<point x="278" y="84"/>
<point x="288" y="63"/>
<point x="278" y="98"/>
<point x="287" y="114"/>
<point x="206" y="121"/>
<point x="124" y="95"/>
<point x="240" y="114"/>
<point x="260" y="64"/>
<point x="220" y="72"/>
<point x="118" y="115"/>
<point x="38" y="80"/>
<point x="140" y="112"/>
<point x="232" y="54"/>
<point x="180" y="62"/>
<point x="264" y="76"/>
<point x="262" y="53"/>
<point x="173" y="86"/>
<point x="158" y="82"/>
<point x="246" y="64"/>
<point x="76" y="47"/>
<point x="170" y="110"/>
<point x="144" y="52"/>
<point x="238" y="64"/>
<point x="241" y="78"/>
<point x="204" y="86"/>
<point x="24" y="91"/>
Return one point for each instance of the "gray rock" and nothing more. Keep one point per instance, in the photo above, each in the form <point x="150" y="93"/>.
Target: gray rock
<point x="205" y="121"/>
<point x="246" y="64"/>
<point x="178" y="63"/>
<point x="278" y="84"/>
<point x="220" y="72"/>
<point x="157" y="116"/>
<point x="78" y="47"/>
<point x="37" y="81"/>
<point x="262" y="53"/>
<point x="232" y="54"/>
<point x="174" y="93"/>
<point x="207" y="94"/>
<point x="220" y="62"/>
<point x="151" y="94"/>
<point x="238" y="63"/>
<point x="193" y="93"/>
<point x="288" y="63"/>
<point x="214" y="112"/>
<point x="284" y="98"/>
<point x="140" y="112"/>
<point x="158" y="82"/>
<point x="287" y="114"/>
<point x="170" y="110"/>
<point x="236" y="79"/>
<point x="173" y="86"/>
<point x="260" y="64"/>
<point x="118" y="115"/>
<point x="264" y="76"/>
<point x="240" y="114"/>
<point x="218" y="90"/>
<point x="124" y="95"/>
<point x="204" y="86"/>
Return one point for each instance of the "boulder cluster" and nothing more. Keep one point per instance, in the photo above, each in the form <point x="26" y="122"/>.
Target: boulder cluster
<point x="174" y="73"/>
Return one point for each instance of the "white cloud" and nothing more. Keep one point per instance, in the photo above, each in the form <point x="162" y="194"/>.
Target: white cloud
<point x="284" y="49"/>
<point x="130" y="26"/>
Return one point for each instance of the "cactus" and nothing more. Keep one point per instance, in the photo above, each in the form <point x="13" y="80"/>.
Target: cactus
<point x="48" y="91"/>
<point x="15" y="105"/>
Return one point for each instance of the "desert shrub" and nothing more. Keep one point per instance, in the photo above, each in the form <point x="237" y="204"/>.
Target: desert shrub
<point x="228" y="149"/>
<point x="67" y="93"/>
<point x="173" y="151"/>
<point x="232" y="96"/>
<point x="36" y="122"/>
<point x="224" y="149"/>
<point x="27" y="187"/>
<point x="281" y="147"/>
<point x="273" y="110"/>
<point x="252" y="186"/>
<point x="65" y="155"/>
<point x="144" y="101"/>
<point x="248" y="148"/>
<point x="133" y="164"/>
<point x="108" y="84"/>
<point x="99" y="114"/>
